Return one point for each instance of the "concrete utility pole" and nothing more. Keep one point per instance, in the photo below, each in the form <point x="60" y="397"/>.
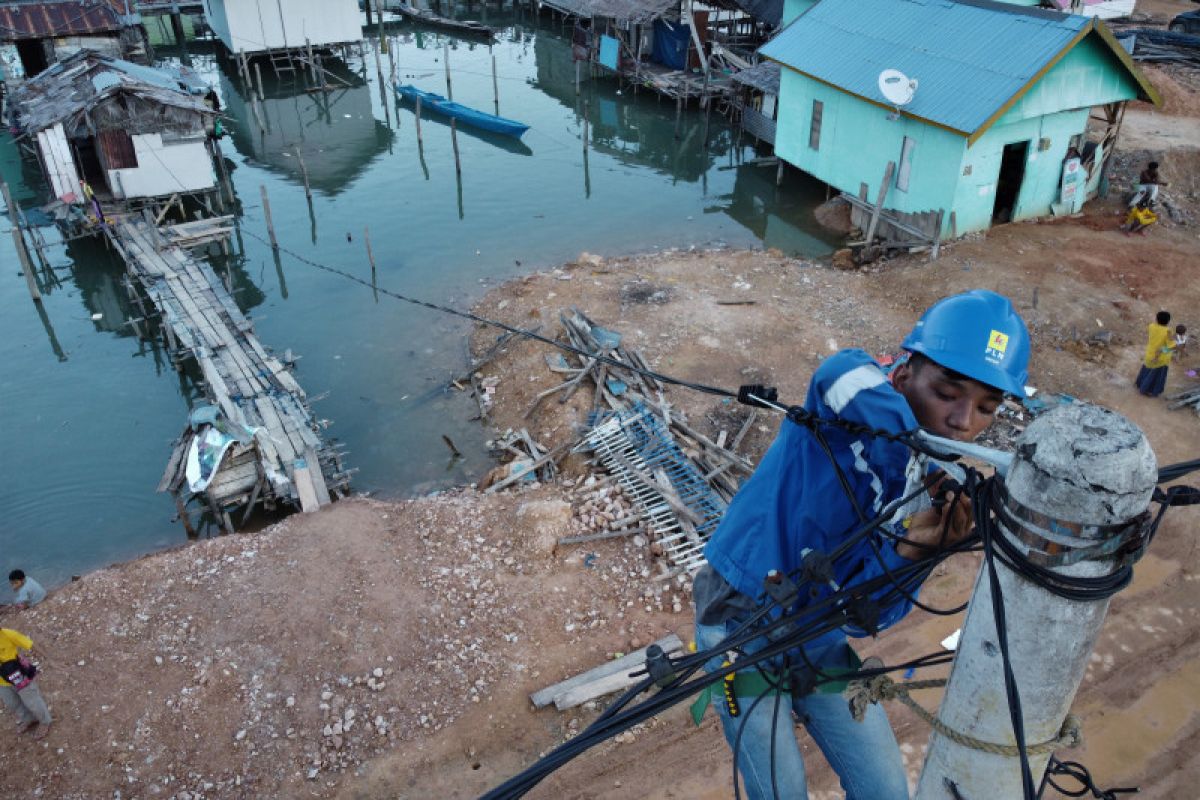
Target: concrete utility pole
<point x="1077" y="467"/>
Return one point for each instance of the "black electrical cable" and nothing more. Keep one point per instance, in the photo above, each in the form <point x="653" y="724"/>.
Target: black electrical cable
<point x="1080" y="773"/>
<point x="984" y="523"/>
<point x="995" y="546"/>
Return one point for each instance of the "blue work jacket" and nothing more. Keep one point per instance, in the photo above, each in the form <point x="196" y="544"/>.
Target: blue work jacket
<point x="794" y="501"/>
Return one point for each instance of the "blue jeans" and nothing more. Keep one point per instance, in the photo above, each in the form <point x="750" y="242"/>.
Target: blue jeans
<point x="863" y="754"/>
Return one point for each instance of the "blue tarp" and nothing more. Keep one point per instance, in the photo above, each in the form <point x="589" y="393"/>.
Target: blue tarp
<point x="609" y="51"/>
<point x="671" y="44"/>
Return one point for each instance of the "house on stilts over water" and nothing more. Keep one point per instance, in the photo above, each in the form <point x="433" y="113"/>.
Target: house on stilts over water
<point x="284" y="32"/>
<point x="994" y="112"/>
<point x="117" y="131"/>
<point x="127" y="150"/>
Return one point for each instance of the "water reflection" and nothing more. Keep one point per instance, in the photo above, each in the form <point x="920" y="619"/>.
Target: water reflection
<point x="101" y="420"/>
<point x="780" y="218"/>
<point x="621" y="124"/>
<point x="336" y="131"/>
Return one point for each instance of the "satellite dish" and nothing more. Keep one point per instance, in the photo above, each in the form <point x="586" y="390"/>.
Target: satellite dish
<point x="897" y="87"/>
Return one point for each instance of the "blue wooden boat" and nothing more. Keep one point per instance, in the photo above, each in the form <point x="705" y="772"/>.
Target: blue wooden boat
<point x="466" y="115"/>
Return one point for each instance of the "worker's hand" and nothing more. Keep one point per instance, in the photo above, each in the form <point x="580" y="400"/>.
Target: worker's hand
<point x="938" y="527"/>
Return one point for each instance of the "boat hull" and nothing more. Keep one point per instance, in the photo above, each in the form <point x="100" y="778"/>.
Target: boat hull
<point x="465" y="114"/>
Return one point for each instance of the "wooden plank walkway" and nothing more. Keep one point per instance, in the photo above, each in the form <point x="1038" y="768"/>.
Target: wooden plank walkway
<point x="285" y="460"/>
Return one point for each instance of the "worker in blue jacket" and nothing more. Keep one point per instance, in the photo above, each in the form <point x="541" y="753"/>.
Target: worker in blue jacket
<point x="966" y="353"/>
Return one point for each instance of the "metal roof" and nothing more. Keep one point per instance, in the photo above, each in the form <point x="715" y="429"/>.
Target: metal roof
<point x="971" y="57"/>
<point x="763" y="76"/>
<point x="635" y="11"/>
<point x="80" y="83"/>
<point x="48" y="18"/>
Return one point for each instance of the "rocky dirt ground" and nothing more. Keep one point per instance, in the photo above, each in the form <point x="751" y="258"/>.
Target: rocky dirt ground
<point x="388" y="649"/>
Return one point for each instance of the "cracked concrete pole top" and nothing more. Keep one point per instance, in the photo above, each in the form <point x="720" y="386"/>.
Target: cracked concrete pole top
<point x="1083" y="463"/>
<point x="1077" y="466"/>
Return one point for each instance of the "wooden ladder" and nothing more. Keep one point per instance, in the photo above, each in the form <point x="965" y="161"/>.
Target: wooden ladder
<point x="281" y="61"/>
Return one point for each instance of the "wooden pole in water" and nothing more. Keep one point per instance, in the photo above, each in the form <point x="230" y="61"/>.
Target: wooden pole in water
<point x="367" y="6"/>
<point x="312" y="65"/>
<point x="577" y="78"/>
<point x="495" y="84"/>
<point x="586" y="109"/>
<point x="267" y="213"/>
<point x="303" y="173"/>
<point x="678" y="113"/>
<point x="419" y="142"/>
<point x="379" y="74"/>
<point x="258" y="115"/>
<point x="370" y="255"/>
<point x="14" y="218"/>
<point x="454" y="141"/>
<point x="258" y="75"/>
<point x="446" y="58"/>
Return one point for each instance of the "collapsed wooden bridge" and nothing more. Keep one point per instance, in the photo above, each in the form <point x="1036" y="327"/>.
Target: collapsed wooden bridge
<point x="277" y="454"/>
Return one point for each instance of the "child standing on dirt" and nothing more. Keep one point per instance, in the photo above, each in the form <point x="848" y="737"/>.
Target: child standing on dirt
<point x="19" y="686"/>
<point x="1180" y="340"/>
<point x="1160" y="345"/>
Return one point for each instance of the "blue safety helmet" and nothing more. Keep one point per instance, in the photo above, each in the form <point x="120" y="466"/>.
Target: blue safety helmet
<point x="977" y="334"/>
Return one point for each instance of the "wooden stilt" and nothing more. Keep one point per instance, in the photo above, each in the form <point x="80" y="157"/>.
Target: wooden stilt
<point x="303" y="173"/>
<point x="258" y="77"/>
<point x="495" y="86"/>
<point x="14" y="218"/>
<point x="446" y="59"/>
<point x="266" y="202"/>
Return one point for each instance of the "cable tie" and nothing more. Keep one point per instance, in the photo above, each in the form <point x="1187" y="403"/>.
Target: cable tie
<point x="658" y="664"/>
<point x="817" y="567"/>
<point x="864" y="612"/>
<point x="756" y="394"/>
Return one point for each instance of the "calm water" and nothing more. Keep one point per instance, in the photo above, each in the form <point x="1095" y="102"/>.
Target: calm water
<point x="88" y="411"/>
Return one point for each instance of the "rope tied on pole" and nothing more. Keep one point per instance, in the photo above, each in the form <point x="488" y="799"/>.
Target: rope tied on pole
<point x="864" y="692"/>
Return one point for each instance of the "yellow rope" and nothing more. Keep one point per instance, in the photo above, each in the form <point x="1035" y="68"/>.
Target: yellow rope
<point x="862" y="693"/>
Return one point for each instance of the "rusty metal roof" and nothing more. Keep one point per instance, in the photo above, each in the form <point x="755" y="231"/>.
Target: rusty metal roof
<point x="46" y="18"/>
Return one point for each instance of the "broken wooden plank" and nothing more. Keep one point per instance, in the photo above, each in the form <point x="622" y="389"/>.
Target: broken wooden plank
<point x="305" y="491"/>
<point x="618" y="667"/>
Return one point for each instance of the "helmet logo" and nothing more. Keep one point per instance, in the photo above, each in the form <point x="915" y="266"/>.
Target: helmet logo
<point x="997" y="344"/>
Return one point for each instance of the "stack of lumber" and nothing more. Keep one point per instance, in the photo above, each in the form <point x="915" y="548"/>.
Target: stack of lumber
<point x="1188" y="397"/>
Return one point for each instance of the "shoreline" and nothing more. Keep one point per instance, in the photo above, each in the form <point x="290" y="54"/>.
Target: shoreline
<point x="229" y="666"/>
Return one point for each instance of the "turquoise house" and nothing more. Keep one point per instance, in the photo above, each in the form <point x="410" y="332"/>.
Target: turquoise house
<point x="1013" y="116"/>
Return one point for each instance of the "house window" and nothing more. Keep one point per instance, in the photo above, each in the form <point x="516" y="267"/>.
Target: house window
<point x="814" y="130"/>
<point x="902" y="175"/>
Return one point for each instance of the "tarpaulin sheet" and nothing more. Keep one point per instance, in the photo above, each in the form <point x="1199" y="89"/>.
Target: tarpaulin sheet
<point x="609" y="50"/>
<point x="671" y="43"/>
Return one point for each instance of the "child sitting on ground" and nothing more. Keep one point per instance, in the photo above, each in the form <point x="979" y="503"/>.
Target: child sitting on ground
<point x="1139" y="219"/>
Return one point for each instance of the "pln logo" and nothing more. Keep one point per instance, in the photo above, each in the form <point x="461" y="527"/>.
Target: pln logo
<point x="997" y="344"/>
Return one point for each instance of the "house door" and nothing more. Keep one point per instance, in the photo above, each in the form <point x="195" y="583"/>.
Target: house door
<point x="1008" y="185"/>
